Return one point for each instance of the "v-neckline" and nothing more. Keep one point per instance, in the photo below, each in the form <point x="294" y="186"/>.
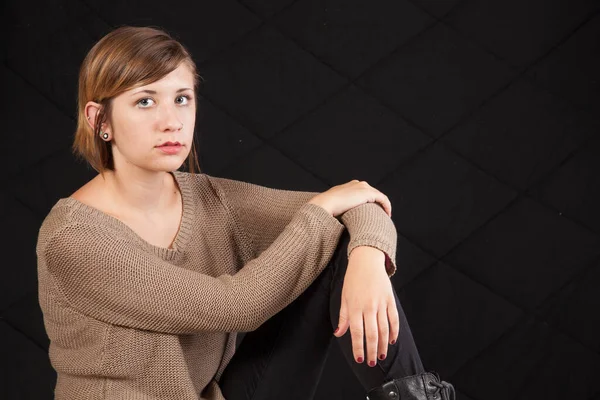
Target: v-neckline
<point x="183" y="232"/>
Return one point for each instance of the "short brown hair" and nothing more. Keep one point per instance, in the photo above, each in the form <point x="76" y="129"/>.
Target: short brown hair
<point x="126" y="57"/>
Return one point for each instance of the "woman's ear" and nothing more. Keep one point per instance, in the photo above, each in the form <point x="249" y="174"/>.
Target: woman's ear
<point x="92" y="110"/>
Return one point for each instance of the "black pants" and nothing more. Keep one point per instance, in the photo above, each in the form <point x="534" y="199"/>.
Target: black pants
<point x="284" y="357"/>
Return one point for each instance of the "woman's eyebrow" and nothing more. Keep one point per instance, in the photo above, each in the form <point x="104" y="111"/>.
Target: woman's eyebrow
<point x="154" y="91"/>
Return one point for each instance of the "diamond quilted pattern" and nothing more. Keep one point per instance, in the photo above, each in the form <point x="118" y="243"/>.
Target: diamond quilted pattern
<point x="411" y="262"/>
<point x="532" y="361"/>
<point x="255" y="167"/>
<point x="30" y="375"/>
<point x="19" y="275"/>
<point x="478" y="120"/>
<point x="49" y="61"/>
<point x="436" y="79"/>
<point x="436" y="7"/>
<point x="266" y="82"/>
<point x="575" y="189"/>
<point x="219" y="139"/>
<point x="579" y="60"/>
<point x="542" y="131"/>
<point x="349" y="35"/>
<point x="438" y="199"/>
<point x="204" y="32"/>
<point x="526" y="253"/>
<point x="267" y="8"/>
<point x="574" y="309"/>
<point x="26" y="317"/>
<point x="520" y="32"/>
<point x="452" y="318"/>
<point x="29" y="121"/>
<point x="29" y="22"/>
<point x="380" y="140"/>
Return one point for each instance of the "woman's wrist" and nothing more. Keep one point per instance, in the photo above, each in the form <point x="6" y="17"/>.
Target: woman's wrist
<point x="368" y="251"/>
<point x="320" y="204"/>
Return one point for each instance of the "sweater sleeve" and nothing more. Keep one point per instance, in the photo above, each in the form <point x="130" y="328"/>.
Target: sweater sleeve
<point x="120" y="284"/>
<point x="263" y="212"/>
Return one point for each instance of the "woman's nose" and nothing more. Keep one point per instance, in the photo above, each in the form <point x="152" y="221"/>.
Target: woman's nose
<point x="170" y="119"/>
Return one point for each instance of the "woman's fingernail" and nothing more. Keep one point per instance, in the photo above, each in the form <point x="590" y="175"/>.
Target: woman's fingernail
<point x="359" y="359"/>
<point x="393" y="341"/>
<point x="336" y="329"/>
<point x="382" y="356"/>
<point x="371" y="363"/>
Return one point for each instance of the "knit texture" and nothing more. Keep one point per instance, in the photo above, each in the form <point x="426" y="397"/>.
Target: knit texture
<point x="130" y="320"/>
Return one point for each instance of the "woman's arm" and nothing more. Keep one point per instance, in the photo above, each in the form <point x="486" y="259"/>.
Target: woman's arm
<point x="263" y="212"/>
<point x="104" y="277"/>
<point x="369" y="225"/>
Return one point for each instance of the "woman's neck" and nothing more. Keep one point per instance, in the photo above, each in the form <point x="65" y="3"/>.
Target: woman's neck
<point x="143" y="193"/>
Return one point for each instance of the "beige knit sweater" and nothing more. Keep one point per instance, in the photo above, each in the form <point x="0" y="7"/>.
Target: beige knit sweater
<point x="130" y="320"/>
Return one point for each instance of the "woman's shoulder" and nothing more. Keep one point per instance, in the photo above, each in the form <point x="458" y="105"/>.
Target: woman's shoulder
<point x="200" y="184"/>
<point x="83" y="207"/>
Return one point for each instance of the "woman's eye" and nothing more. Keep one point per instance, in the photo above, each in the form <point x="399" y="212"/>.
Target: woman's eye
<point x="187" y="99"/>
<point x="144" y="100"/>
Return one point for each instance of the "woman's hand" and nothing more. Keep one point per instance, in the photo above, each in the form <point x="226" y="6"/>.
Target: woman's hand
<point x="368" y="299"/>
<point x="339" y="199"/>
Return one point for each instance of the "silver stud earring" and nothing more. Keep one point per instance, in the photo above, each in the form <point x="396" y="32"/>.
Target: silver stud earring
<point x="104" y="135"/>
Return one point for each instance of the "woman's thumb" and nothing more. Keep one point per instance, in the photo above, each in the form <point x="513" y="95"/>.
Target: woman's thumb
<point x="343" y="323"/>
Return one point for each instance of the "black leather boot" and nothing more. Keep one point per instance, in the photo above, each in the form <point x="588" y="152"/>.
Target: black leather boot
<point x="425" y="386"/>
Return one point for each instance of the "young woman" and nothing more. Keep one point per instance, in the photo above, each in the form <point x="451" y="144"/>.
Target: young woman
<point x="147" y="273"/>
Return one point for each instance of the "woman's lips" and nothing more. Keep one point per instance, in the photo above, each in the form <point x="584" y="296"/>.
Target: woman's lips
<point x="170" y="149"/>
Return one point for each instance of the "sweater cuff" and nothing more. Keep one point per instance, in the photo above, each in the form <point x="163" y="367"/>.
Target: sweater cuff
<point x="369" y="225"/>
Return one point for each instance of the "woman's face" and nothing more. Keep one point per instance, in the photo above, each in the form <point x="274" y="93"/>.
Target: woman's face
<point x="146" y="117"/>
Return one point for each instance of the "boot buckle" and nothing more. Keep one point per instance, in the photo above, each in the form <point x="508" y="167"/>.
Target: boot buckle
<point x="388" y="389"/>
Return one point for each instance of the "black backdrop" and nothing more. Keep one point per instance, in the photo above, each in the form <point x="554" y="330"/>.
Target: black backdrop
<point x="478" y="119"/>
